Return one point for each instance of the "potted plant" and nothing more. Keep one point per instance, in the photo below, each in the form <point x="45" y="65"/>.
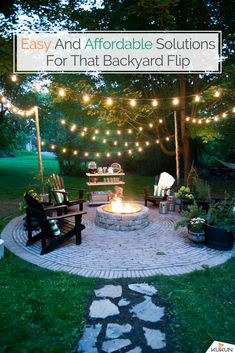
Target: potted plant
<point x="194" y="220"/>
<point x="203" y="194"/>
<point x="220" y="225"/>
<point x="185" y="196"/>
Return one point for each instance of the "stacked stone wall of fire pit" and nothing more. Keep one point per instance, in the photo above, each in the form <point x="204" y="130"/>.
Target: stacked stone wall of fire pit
<point x="122" y="222"/>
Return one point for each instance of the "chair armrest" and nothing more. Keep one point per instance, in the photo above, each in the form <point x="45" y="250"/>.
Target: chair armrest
<point x="54" y="208"/>
<point x="67" y="215"/>
<point x="61" y="192"/>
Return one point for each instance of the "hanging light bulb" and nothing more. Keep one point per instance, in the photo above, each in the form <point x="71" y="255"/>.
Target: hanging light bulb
<point x="187" y="119"/>
<point x="96" y="131"/>
<point x="224" y="115"/>
<point x="130" y="151"/>
<point x="154" y="103"/>
<point x="199" y="121"/>
<point x="160" y="121"/>
<point x="86" y="154"/>
<point x="167" y="138"/>
<point x="140" y="128"/>
<point x="108" y="154"/>
<point x="126" y="144"/>
<point x="85" y="129"/>
<point x="194" y="121"/>
<point x="217" y="94"/>
<point x="75" y="152"/>
<point x="107" y="132"/>
<point x="52" y="147"/>
<point x="104" y="140"/>
<point x="97" y="154"/>
<point x="197" y="98"/>
<point x="86" y="98"/>
<point x="3" y="99"/>
<point x="147" y="143"/>
<point x="157" y="141"/>
<point x="175" y="101"/>
<point x="64" y="150"/>
<point x="133" y="102"/>
<point x="119" y="154"/>
<point x="137" y="144"/>
<point x="13" y="78"/>
<point x="118" y="132"/>
<point x="42" y="143"/>
<point x="150" y="125"/>
<point x="233" y="110"/>
<point x="216" y="118"/>
<point x="82" y="133"/>
<point x="207" y="121"/>
<point x="115" y="143"/>
<point x="73" y="127"/>
<point x="130" y="131"/>
<point x="140" y="149"/>
<point x="61" y="92"/>
<point x="93" y="138"/>
<point x="109" y="101"/>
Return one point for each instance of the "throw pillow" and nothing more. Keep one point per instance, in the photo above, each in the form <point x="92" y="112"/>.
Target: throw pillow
<point x="59" y="197"/>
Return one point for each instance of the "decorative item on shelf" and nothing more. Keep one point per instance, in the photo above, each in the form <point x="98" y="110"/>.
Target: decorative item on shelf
<point x="100" y="170"/>
<point x="110" y="170"/>
<point x="163" y="207"/>
<point x="116" y="168"/>
<point x="94" y="180"/>
<point x="92" y="167"/>
<point x="171" y="203"/>
<point x="105" y="169"/>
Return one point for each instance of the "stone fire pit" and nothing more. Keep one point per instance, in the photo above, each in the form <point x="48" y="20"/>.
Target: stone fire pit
<point x="122" y="221"/>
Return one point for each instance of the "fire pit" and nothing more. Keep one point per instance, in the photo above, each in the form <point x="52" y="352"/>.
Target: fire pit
<point x="122" y="216"/>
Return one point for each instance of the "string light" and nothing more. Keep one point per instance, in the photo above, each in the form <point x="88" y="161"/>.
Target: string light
<point x="109" y="101"/>
<point x="64" y="150"/>
<point x="108" y="154"/>
<point x="140" y="128"/>
<point x="97" y="154"/>
<point x="217" y="94"/>
<point x="85" y="129"/>
<point x="82" y="133"/>
<point x="233" y="110"/>
<point x="104" y="140"/>
<point x="130" y="151"/>
<point x="167" y="138"/>
<point x="130" y="131"/>
<point x="175" y="101"/>
<point x="75" y="152"/>
<point x="194" y="121"/>
<point x="197" y="98"/>
<point x="150" y="125"/>
<point x="140" y="149"/>
<point x="96" y="131"/>
<point x="157" y="141"/>
<point x="115" y="143"/>
<point x="13" y="78"/>
<point x="137" y="144"/>
<point x="147" y="143"/>
<point x="61" y="92"/>
<point x="160" y="121"/>
<point x="126" y="144"/>
<point x="224" y="115"/>
<point x="187" y="119"/>
<point x="119" y="154"/>
<point x="154" y="103"/>
<point x="118" y="132"/>
<point x="42" y="143"/>
<point x="86" y="98"/>
<point x="86" y="154"/>
<point x="207" y="121"/>
<point x="107" y="132"/>
<point x="199" y="121"/>
<point x="73" y="127"/>
<point x="93" y="138"/>
<point x="216" y="118"/>
<point x="133" y="102"/>
<point x="3" y="99"/>
<point x="52" y="147"/>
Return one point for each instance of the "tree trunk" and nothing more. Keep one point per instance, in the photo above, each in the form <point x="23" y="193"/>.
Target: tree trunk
<point x="185" y="140"/>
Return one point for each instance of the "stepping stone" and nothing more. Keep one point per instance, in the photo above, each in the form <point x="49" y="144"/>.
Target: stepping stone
<point x="148" y="311"/>
<point x="102" y="309"/>
<point x="88" y="341"/>
<point x="123" y="302"/>
<point x="115" y="330"/>
<point x="135" y="350"/>
<point x="155" y="338"/>
<point x="115" y="345"/>
<point x="143" y="288"/>
<point x="109" y="291"/>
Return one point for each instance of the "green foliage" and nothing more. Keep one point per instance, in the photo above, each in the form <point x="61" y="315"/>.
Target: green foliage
<point x="194" y="211"/>
<point x="184" y="192"/>
<point x="202" y="189"/>
<point x="222" y="214"/>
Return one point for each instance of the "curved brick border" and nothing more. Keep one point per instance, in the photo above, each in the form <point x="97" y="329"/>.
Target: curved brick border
<point x="156" y="249"/>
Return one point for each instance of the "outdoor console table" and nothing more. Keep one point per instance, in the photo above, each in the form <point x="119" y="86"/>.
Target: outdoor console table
<point x="102" y="179"/>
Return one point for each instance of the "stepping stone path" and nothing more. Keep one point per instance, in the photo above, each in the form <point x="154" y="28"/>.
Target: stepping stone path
<point x="127" y="319"/>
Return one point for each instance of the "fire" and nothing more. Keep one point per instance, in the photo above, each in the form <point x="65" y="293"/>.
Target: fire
<point x="118" y="206"/>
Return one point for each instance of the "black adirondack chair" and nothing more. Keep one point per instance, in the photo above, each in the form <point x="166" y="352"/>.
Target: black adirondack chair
<point x="43" y="214"/>
<point x="56" y="186"/>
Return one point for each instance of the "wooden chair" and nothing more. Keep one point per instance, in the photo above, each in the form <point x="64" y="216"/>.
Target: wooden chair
<point x="57" y="188"/>
<point x="43" y="215"/>
<point x="151" y="198"/>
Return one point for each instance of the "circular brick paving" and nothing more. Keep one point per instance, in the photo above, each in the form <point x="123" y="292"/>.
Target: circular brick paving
<point x="156" y="249"/>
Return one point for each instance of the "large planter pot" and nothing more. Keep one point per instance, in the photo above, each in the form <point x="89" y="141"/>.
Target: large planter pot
<point x="218" y="238"/>
<point x="204" y="204"/>
<point x="196" y="237"/>
<point x="184" y="204"/>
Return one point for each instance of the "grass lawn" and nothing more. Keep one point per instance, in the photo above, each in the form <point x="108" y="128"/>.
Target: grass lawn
<point x="44" y="311"/>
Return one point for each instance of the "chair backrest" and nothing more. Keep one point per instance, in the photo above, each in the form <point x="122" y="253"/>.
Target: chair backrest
<point x="37" y="211"/>
<point x="56" y="182"/>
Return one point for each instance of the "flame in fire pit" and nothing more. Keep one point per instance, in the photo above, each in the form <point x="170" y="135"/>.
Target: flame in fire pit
<point x="117" y="206"/>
